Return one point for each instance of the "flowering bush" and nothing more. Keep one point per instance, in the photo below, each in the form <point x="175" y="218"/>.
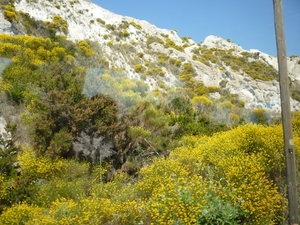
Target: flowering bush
<point x="241" y="161"/>
<point x="223" y="179"/>
<point x="20" y="214"/>
<point x="39" y="167"/>
<point x="85" y="48"/>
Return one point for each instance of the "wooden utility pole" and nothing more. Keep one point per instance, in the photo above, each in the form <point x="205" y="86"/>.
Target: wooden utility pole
<point x="286" y="115"/>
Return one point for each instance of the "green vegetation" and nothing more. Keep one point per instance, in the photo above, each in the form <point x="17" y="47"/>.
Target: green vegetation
<point x="85" y="48"/>
<point x="156" y="71"/>
<point x="151" y="39"/>
<point x="110" y="43"/>
<point x="125" y="33"/>
<point x="29" y="23"/>
<point x="141" y="54"/>
<point x="123" y="25"/>
<point x="162" y="59"/>
<point x="175" y="62"/>
<point x="193" y="86"/>
<point x="43" y="76"/>
<point x="9" y="12"/>
<point x="32" y="26"/>
<point x="185" y="39"/>
<point x="137" y="26"/>
<point x="171" y="44"/>
<point x="215" y="168"/>
<point x="126" y="92"/>
<point x="261" y="115"/>
<point x="246" y="63"/>
<point x="139" y="68"/>
<point x="105" y="36"/>
<point x="111" y="27"/>
<point x="57" y="24"/>
<point x="100" y="21"/>
<point x="225" y="177"/>
<point x="295" y="90"/>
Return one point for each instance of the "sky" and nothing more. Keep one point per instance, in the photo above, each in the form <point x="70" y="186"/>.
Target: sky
<point x="248" y="23"/>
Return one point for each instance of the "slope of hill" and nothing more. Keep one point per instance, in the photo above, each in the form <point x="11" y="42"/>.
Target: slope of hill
<point x="149" y="53"/>
<point x="98" y="109"/>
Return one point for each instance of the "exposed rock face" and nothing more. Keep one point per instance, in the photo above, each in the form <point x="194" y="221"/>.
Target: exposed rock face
<point x="10" y="115"/>
<point x="255" y="93"/>
<point x="2" y="126"/>
<point x="5" y="26"/>
<point x="88" y="21"/>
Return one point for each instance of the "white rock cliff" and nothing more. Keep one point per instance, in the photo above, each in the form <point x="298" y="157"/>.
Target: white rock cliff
<point x="81" y="17"/>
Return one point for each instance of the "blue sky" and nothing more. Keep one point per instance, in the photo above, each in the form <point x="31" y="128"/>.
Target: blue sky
<point x="249" y="23"/>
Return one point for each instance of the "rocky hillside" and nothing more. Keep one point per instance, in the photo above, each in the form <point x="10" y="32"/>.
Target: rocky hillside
<point x="157" y="56"/>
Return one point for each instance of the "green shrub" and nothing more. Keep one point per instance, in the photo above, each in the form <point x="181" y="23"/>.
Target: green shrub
<point x="226" y="105"/>
<point x="171" y="44"/>
<point x="85" y="48"/>
<point x="9" y="12"/>
<point x="151" y="39"/>
<point x="103" y="63"/>
<point x="137" y="26"/>
<point x="212" y="89"/>
<point x="185" y="39"/>
<point x="187" y="77"/>
<point x="57" y="24"/>
<point x="261" y="115"/>
<point x="246" y="63"/>
<point x="61" y="143"/>
<point x="20" y="214"/>
<point x="231" y="177"/>
<point x="105" y="36"/>
<point x="223" y="83"/>
<point x="30" y="23"/>
<point x="295" y="94"/>
<point x="206" y="102"/>
<point x="156" y="71"/>
<point x="196" y="51"/>
<point x="139" y="68"/>
<point x="175" y="62"/>
<point x="200" y="88"/>
<point x="110" y="43"/>
<point x="141" y="54"/>
<point x="162" y="59"/>
<point x="147" y="63"/>
<point x="194" y="57"/>
<point x="100" y="21"/>
<point x="123" y="25"/>
<point x="137" y="131"/>
<point x="111" y="27"/>
<point x="204" y="61"/>
<point x="241" y="103"/>
<point x="229" y="152"/>
<point x="235" y="119"/>
<point x="125" y="33"/>
<point x="8" y="153"/>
